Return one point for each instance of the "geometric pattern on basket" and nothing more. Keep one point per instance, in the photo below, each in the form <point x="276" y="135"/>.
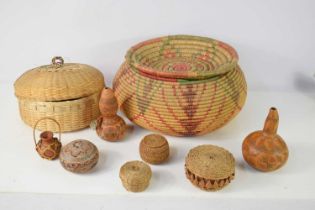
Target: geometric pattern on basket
<point x="209" y="167"/>
<point x="178" y="107"/>
<point x="183" y="56"/>
<point x="49" y="151"/>
<point x="208" y="184"/>
<point x="181" y="85"/>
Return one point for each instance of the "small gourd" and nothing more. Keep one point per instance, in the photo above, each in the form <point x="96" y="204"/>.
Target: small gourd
<point x="265" y="150"/>
<point x="48" y="146"/>
<point x="109" y="126"/>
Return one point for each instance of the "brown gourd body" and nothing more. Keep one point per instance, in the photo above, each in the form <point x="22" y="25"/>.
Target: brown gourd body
<point x="110" y="126"/>
<point x="48" y="147"/>
<point x="265" y="150"/>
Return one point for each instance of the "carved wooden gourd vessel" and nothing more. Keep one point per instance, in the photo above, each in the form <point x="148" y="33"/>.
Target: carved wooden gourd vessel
<point x="109" y="126"/>
<point x="79" y="156"/>
<point x="48" y="146"/>
<point x="265" y="150"/>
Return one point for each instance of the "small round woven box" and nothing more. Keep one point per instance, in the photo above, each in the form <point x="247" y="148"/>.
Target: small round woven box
<point x="135" y="176"/>
<point x="154" y="149"/>
<point x="210" y="167"/>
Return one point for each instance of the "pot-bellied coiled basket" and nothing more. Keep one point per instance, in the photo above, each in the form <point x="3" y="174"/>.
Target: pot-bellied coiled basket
<point x="181" y="85"/>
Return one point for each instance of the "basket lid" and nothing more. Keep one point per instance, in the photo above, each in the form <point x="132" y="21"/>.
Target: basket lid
<point x="182" y="57"/>
<point x="210" y="162"/>
<point x="59" y="81"/>
<point x="78" y="151"/>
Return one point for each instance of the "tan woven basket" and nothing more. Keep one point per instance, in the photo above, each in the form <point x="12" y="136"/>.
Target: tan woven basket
<point x="66" y="92"/>
<point x="181" y="85"/>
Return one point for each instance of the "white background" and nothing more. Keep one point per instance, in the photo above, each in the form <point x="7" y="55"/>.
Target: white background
<point x="274" y="39"/>
<point x="275" y="42"/>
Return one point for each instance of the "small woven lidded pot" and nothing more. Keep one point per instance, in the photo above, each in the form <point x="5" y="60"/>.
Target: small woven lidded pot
<point x="181" y="85"/>
<point x="67" y="92"/>
<point x="154" y="149"/>
<point x="79" y="156"/>
<point x="135" y="176"/>
<point x="210" y="167"/>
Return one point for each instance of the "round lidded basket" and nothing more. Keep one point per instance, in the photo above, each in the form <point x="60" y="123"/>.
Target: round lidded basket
<point x="181" y="85"/>
<point x="154" y="149"/>
<point x="67" y="92"/>
<point x="135" y="175"/>
<point x="210" y="167"/>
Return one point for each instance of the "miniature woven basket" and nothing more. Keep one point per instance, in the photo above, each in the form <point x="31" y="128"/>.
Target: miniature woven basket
<point x="67" y="92"/>
<point x="181" y="85"/>
<point x="210" y="167"/>
<point x="135" y="175"/>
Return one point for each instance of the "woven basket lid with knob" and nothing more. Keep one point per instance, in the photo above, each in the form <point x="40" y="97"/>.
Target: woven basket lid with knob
<point x="68" y="92"/>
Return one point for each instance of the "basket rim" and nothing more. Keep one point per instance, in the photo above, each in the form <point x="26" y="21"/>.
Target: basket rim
<point x="132" y="58"/>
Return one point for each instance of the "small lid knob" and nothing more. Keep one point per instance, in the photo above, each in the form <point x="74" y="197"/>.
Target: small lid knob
<point x="57" y="61"/>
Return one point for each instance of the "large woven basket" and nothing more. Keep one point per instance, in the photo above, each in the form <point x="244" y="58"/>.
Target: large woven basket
<point x="181" y="85"/>
<point x="68" y="92"/>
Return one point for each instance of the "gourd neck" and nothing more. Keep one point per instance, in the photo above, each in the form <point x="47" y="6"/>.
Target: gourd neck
<point x="272" y="121"/>
<point x="47" y="136"/>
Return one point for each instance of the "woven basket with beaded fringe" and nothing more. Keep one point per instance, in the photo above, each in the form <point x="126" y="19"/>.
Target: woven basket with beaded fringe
<point x="181" y="85"/>
<point x="67" y="92"/>
<point x="210" y="167"/>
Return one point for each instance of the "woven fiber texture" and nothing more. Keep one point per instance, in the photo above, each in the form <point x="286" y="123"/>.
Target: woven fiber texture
<point x="154" y="149"/>
<point x="67" y="92"/>
<point x="135" y="175"/>
<point x="210" y="167"/>
<point x="181" y="85"/>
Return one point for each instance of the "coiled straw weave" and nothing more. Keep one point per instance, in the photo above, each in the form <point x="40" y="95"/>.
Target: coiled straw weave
<point x="181" y="85"/>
